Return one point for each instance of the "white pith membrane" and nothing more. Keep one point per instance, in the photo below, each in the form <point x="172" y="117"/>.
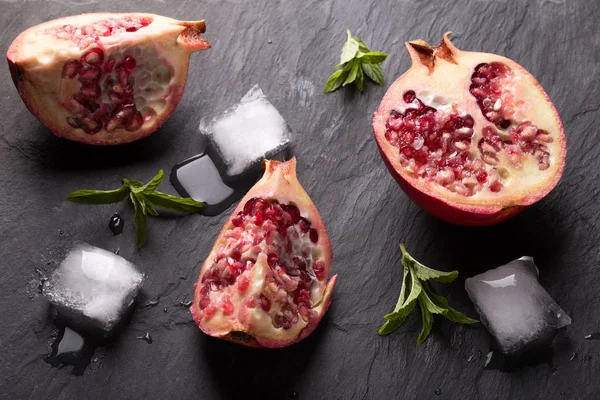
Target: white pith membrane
<point x="433" y="129"/>
<point x="104" y="75"/>
<point x="268" y="273"/>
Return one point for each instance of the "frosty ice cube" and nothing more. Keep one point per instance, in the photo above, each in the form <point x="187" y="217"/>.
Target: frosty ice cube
<point x="247" y="133"/>
<point x="514" y="307"/>
<point x="93" y="288"/>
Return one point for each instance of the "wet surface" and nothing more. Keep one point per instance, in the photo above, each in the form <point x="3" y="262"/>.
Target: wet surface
<point x="366" y="214"/>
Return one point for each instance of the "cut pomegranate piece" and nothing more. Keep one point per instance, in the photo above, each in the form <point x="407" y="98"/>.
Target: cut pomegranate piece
<point x="470" y="137"/>
<point x="267" y="285"/>
<point x="68" y="68"/>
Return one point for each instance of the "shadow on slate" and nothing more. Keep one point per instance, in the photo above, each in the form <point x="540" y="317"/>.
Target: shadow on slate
<point x="248" y="373"/>
<point x="482" y="248"/>
<point x="62" y="154"/>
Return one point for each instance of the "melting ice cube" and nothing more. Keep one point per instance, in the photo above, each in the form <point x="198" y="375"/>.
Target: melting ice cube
<point x="247" y="133"/>
<point x="199" y="178"/>
<point x="514" y="307"/>
<point x="93" y="287"/>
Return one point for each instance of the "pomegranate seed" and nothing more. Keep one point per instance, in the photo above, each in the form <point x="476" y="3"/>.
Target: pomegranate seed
<point x="129" y="64"/>
<point x="243" y="283"/>
<point x="409" y="96"/>
<point x="265" y="303"/>
<point x="93" y="57"/>
<point x="204" y="290"/>
<point x="294" y="213"/>
<point x="481" y="177"/>
<point x="204" y="302"/>
<point x="238" y="221"/>
<point x="496" y="186"/>
<point x="272" y="259"/>
<point x="319" y="269"/>
<point x="91" y="91"/>
<point x="304" y="225"/>
<point x="90" y="74"/>
<point x="227" y="306"/>
<point x="136" y="122"/>
<point x="109" y="65"/>
<point x="71" y="69"/>
<point x="314" y="236"/>
<point x="90" y="126"/>
<point x="74" y="122"/>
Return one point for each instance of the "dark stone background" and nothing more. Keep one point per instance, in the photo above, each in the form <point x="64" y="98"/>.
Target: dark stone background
<point x="366" y="213"/>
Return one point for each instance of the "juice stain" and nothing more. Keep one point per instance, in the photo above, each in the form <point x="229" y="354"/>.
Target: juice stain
<point x="70" y="348"/>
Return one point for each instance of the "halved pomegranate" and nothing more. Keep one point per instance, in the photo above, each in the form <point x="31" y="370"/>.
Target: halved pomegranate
<point x="264" y="283"/>
<point x="104" y="78"/>
<point x="470" y="137"/>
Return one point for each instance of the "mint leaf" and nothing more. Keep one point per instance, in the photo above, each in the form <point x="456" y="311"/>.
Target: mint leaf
<point x="336" y="79"/>
<point x="139" y="221"/>
<point x="448" y="312"/>
<point x="416" y="289"/>
<point x="362" y="46"/>
<point x="424" y="273"/>
<point x="349" y="49"/>
<point x="374" y="72"/>
<point x="144" y="199"/>
<point x="356" y="61"/>
<point x="427" y="320"/>
<point x="372" y="57"/>
<point x="153" y="184"/>
<point x="354" y="65"/>
<point x="186" y="205"/>
<point x="360" y="79"/>
<point x="99" y="196"/>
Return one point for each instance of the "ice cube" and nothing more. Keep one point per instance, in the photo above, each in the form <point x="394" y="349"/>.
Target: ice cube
<point x="247" y="133"/>
<point x="514" y="307"/>
<point x="93" y="288"/>
<point x="198" y="178"/>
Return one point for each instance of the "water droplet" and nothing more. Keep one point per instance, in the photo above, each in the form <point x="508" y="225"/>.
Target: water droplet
<point x="269" y="41"/>
<point x="116" y="224"/>
<point x="151" y="303"/>
<point x="117" y="250"/>
<point x="186" y="303"/>
<point x="61" y="232"/>
<point x="294" y="395"/>
<point x="593" y="336"/>
<point x="147" y="338"/>
<point x="165" y="309"/>
<point x="438" y="392"/>
<point x="70" y="348"/>
<point x="574" y="355"/>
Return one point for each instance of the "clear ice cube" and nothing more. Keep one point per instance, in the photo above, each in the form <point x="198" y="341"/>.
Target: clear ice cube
<point x="92" y="287"/>
<point x="514" y="307"/>
<point x="247" y="133"/>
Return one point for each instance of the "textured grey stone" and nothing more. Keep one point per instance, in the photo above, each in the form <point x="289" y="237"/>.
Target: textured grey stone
<point x="366" y="213"/>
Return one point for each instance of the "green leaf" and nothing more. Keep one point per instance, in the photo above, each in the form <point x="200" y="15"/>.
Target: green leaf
<point x="372" y="57"/>
<point x="150" y="210"/>
<point x="335" y="80"/>
<point x="152" y="185"/>
<point x="354" y="66"/>
<point x="415" y="289"/>
<point x="374" y="72"/>
<point x="425" y="273"/>
<point x="99" y="196"/>
<point x="163" y="200"/>
<point x="360" y="80"/>
<point x="132" y="183"/>
<point x="448" y="312"/>
<point x="349" y="49"/>
<point x="362" y="46"/>
<point x="427" y="320"/>
<point x="139" y="221"/>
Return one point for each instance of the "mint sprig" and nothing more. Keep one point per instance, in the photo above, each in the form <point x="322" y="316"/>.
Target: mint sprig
<point x="144" y="199"/>
<point x="415" y="289"/>
<point x="356" y="61"/>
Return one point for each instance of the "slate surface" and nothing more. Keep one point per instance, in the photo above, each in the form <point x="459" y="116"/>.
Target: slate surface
<point x="365" y="211"/>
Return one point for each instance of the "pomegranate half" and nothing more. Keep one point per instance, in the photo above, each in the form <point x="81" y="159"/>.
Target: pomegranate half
<point x="471" y="137"/>
<point x="104" y="78"/>
<point x="264" y="283"/>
